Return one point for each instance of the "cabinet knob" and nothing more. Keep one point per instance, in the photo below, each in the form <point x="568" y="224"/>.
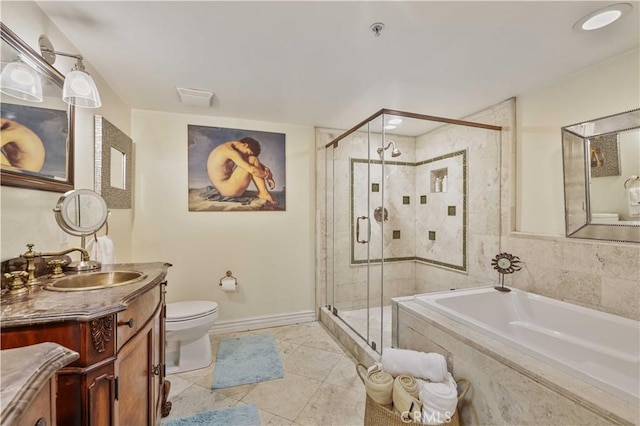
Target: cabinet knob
<point x="131" y="323"/>
<point x="40" y="422"/>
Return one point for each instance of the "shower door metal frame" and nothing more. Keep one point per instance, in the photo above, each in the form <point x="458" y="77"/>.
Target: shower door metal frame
<point x="334" y="144"/>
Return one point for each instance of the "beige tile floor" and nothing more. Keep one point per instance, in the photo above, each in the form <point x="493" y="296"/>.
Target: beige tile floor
<point x="320" y="385"/>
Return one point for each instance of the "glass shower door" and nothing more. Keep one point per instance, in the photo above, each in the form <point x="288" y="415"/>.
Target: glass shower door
<point x="349" y="219"/>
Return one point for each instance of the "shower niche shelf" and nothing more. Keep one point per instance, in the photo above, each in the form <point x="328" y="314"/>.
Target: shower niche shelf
<point x="438" y="180"/>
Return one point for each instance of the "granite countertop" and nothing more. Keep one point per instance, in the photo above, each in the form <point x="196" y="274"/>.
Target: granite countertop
<point x="24" y="372"/>
<point x="41" y="306"/>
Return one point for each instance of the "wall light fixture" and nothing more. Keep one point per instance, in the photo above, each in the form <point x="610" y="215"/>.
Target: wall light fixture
<point x="79" y="88"/>
<point x="21" y="81"/>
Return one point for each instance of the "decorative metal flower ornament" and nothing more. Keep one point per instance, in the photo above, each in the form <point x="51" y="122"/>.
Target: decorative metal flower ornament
<point x="505" y="263"/>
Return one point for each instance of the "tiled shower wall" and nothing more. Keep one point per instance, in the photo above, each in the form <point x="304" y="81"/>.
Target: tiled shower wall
<point x="601" y="275"/>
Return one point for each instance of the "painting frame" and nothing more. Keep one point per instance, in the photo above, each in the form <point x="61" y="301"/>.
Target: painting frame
<point x="604" y="155"/>
<point x="53" y="126"/>
<point x="231" y="169"/>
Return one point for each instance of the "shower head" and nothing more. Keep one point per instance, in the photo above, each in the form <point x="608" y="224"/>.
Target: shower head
<point x="394" y="153"/>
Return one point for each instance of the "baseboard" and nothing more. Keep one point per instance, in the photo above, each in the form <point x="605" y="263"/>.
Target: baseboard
<point x="255" y="323"/>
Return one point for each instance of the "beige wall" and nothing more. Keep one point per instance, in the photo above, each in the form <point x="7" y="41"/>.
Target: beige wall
<point x="603" y="89"/>
<point x="27" y="214"/>
<point x="599" y="274"/>
<point x="270" y="253"/>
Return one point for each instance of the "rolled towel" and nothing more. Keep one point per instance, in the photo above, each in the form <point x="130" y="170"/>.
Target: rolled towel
<point x="379" y="386"/>
<point x="439" y="400"/>
<point x="427" y="366"/>
<point x="405" y="398"/>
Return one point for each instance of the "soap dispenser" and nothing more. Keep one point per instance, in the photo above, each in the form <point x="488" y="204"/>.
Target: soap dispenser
<point x="444" y="183"/>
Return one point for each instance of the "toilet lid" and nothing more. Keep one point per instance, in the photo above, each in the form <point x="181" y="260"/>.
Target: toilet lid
<point x="191" y="309"/>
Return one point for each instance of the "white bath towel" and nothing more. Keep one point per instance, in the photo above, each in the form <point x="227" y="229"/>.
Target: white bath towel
<point x="633" y="200"/>
<point x="439" y="400"/>
<point x="427" y="366"/>
<point x="102" y="250"/>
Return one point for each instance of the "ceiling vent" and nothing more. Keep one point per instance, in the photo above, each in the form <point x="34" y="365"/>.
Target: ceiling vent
<point x="195" y="97"/>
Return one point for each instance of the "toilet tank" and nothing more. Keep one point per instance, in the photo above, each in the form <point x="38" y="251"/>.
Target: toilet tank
<point x="605" y="218"/>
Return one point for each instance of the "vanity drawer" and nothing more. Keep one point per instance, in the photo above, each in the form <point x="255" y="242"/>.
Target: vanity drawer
<point x="136" y="315"/>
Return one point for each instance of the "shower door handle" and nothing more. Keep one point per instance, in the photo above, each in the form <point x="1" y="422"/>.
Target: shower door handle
<point x="358" y="230"/>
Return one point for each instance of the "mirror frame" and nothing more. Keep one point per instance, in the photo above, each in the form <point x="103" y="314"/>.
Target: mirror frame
<point x="577" y="176"/>
<point x="108" y="136"/>
<point x="34" y="181"/>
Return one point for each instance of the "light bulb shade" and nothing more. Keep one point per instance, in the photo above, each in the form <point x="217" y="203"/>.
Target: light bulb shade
<point x="21" y="81"/>
<point x="80" y="90"/>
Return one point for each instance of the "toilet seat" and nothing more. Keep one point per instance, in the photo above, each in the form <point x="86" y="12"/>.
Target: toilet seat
<point x="190" y="310"/>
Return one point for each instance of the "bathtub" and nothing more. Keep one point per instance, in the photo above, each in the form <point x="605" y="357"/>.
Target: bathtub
<point x="598" y="348"/>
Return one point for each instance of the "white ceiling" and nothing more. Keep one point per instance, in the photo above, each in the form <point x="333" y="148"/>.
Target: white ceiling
<point x="318" y="63"/>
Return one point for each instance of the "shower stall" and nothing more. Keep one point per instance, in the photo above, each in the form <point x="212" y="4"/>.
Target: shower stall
<point x="400" y="217"/>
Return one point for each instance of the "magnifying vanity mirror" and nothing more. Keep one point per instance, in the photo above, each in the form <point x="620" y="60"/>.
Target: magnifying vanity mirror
<point x="601" y="159"/>
<point x="81" y="212"/>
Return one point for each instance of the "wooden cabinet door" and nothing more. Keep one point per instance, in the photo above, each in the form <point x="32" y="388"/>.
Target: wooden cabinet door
<point x="99" y="398"/>
<point x="133" y="368"/>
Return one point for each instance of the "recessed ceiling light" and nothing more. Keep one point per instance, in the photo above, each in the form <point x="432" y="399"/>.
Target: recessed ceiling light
<point x="602" y="17"/>
<point x="395" y="121"/>
<point x="389" y="127"/>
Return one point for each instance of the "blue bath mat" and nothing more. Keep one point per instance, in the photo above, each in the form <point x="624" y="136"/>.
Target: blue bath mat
<point x="246" y="415"/>
<point x="244" y="360"/>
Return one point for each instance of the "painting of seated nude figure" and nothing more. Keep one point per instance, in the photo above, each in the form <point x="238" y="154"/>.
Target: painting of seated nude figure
<point x="236" y="170"/>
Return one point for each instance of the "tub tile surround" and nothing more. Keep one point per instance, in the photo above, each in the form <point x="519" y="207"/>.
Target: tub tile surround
<point x="508" y="386"/>
<point x="600" y="275"/>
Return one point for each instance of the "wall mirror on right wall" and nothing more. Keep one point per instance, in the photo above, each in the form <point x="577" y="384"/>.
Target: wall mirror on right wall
<point x="601" y="159"/>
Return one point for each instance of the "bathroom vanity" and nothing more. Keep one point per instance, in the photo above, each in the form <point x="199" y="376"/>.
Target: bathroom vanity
<point x="118" y="332"/>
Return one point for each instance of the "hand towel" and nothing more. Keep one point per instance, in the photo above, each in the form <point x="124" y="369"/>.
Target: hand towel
<point x="427" y="366"/>
<point x="379" y="386"/>
<point x="633" y="200"/>
<point x="405" y="398"/>
<point x="102" y="250"/>
<point x="439" y="400"/>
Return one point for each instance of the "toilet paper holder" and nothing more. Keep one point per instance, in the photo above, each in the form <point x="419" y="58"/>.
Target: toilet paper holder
<point x="229" y="275"/>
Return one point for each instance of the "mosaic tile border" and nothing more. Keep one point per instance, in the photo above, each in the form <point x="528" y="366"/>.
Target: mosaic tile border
<point x="353" y="161"/>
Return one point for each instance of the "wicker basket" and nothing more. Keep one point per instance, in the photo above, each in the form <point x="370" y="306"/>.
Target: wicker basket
<point x="377" y="415"/>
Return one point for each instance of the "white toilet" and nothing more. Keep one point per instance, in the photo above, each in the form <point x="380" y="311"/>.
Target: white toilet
<point x="187" y="340"/>
<point x="605" y="218"/>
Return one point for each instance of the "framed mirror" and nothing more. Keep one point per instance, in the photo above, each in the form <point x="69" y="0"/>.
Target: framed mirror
<point x="113" y="164"/>
<point x="601" y="160"/>
<point x="37" y="125"/>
